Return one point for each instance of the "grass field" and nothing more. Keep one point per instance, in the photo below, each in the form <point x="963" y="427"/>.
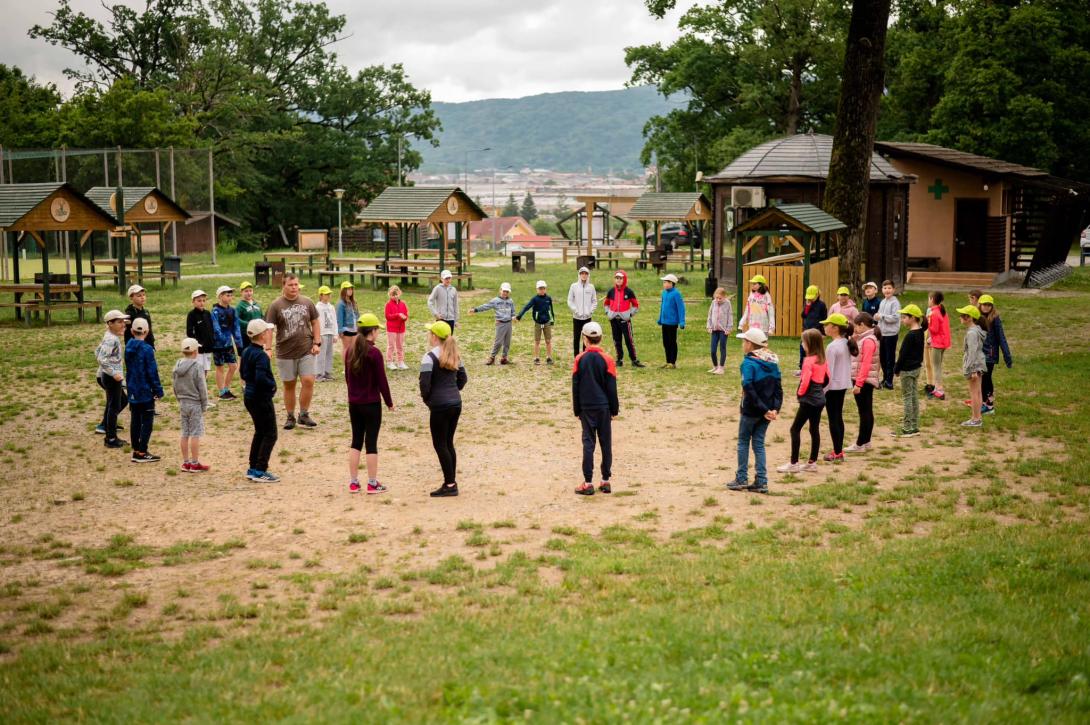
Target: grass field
<point x="942" y="578"/>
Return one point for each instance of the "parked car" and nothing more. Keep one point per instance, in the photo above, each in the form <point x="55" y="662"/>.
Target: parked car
<point x="677" y="234"/>
<point x="1084" y="240"/>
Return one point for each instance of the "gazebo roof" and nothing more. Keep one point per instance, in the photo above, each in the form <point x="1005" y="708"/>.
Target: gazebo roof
<point x="418" y="204"/>
<point x="18" y="200"/>
<point x="806" y="217"/>
<point x="670" y="206"/>
<point x="802" y="157"/>
<point x="134" y="197"/>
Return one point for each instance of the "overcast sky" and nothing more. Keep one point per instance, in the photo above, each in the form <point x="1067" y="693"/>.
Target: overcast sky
<point x="464" y="50"/>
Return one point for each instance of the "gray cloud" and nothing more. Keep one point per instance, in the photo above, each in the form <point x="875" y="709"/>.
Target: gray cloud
<point x="460" y="51"/>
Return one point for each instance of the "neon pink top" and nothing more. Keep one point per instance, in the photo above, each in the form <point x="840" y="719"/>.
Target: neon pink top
<point x="394" y="323"/>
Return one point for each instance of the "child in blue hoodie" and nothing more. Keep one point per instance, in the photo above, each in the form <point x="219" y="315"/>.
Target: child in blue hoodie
<point x="762" y="396"/>
<point x="142" y="378"/>
<point x="257" y="395"/>
<point x="542" y="314"/>
<point x="671" y="318"/>
<point x="228" y="340"/>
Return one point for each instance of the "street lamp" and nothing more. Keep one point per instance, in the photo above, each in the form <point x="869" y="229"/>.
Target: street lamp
<point x="465" y="167"/>
<point x="340" y="231"/>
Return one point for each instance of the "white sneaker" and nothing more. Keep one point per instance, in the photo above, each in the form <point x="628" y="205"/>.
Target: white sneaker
<point x="810" y="467"/>
<point x="797" y="373"/>
<point x="719" y="370"/>
<point x="392" y="366"/>
<point x="402" y="366"/>
<point x="789" y="468"/>
<point x="853" y="448"/>
<point x="713" y="371"/>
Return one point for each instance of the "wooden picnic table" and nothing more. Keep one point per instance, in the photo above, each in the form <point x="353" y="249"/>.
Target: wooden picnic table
<point x="62" y="295"/>
<point x="294" y="260"/>
<point x="150" y="269"/>
<point x="352" y="261"/>
<point x="426" y="264"/>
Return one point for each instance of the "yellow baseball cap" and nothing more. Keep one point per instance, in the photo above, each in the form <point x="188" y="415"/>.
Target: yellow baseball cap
<point x="812" y="292"/>
<point x="245" y="285"/>
<point x="912" y="311"/>
<point x="837" y="319"/>
<point x="969" y="310"/>
<point x="986" y="300"/>
<point x="843" y="291"/>
<point x="346" y="285"/>
<point x="324" y="290"/>
<point x="759" y="279"/>
<point x="439" y="328"/>
<point x="368" y="319"/>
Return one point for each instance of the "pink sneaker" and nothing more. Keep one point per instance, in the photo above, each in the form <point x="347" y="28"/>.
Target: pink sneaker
<point x="354" y="487"/>
<point x="198" y="467"/>
<point x="186" y="468"/>
<point x="376" y="487"/>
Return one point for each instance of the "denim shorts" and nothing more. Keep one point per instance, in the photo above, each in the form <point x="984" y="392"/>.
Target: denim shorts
<point x="224" y="357"/>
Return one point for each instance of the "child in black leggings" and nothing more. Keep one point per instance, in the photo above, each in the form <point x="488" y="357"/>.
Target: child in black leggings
<point x="257" y="395"/>
<point x="442" y="377"/>
<point x="811" y="397"/>
<point x="365" y="373"/>
<point x="838" y="358"/>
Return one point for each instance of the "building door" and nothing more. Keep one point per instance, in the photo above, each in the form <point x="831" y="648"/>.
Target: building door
<point x="970" y="234"/>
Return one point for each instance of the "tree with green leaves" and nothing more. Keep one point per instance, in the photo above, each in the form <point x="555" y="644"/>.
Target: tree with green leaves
<point x="511" y="208"/>
<point x="528" y="210"/>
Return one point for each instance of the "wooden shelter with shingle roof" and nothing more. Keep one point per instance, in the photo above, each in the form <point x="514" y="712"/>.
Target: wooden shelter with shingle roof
<point x="656" y="207"/>
<point x="147" y="212"/>
<point x="447" y="210"/>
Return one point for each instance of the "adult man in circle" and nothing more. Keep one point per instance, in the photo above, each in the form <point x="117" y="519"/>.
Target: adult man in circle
<point x="298" y="340"/>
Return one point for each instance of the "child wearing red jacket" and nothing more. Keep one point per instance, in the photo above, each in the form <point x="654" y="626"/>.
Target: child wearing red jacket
<point x="397" y="313"/>
<point x="811" y="397"/>
<point x="938" y="330"/>
<point x="865" y="379"/>
<point x="621" y="305"/>
<point x="594" y="401"/>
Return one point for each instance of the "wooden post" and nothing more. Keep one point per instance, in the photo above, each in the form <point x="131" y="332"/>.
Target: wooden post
<point x="122" y="281"/>
<point x="79" y="272"/>
<point x="742" y="295"/>
<point x="45" y="275"/>
<point x="806" y="240"/>
<point x="173" y="225"/>
<point x="212" y="204"/>
<point x="442" y="246"/>
<point x="643" y="252"/>
<point x="162" y="250"/>
<point x="136" y="233"/>
<point x="458" y="245"/>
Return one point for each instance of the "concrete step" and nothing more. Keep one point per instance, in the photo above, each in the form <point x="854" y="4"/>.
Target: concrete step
<point x="952" y="279"/>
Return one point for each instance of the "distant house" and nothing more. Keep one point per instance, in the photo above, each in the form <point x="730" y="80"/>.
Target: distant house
<point x="197" y="233"/>
<point x="974" y="214"/>
<point x="503" y="227"/>
<point x="529" y="241"/>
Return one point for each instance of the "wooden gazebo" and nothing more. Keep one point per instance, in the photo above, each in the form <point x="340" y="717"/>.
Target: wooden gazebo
<point x="656" y="207"/>
<point x="810" y="238"/>
<point x="602" y="207"/>
<point x="29" y="210"/>
<point x="146" y="209"/>
<point x="408" y="208"/>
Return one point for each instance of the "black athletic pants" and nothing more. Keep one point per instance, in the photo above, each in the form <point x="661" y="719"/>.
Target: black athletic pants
<point x="597" y="422"/>
<point x="116" y="400"/>
<point x="887" y="354"/>
<point x="622" y="331"/>
<point x="669" y="343"/>
<point x="366" y="421"/>
<point x="263" y="413"/>
<point x="577" y="334"/>
<point x="142" y="415"/>
<point x="834" y="405"/>
<point x="864" y="402"/>
<point x="444" y="422"/>
<point x="806" y="414"/>
<point x="987" y="389"/>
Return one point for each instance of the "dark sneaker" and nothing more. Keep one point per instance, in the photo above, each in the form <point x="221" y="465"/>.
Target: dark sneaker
<point x="758" y="488"/>
<point x="738" y="486"/>
<point x="228" y="395"/>
<point x="447" y="489"/>
<point x="153" y="458"/>
<point x="504" y="361"/>
<point x="353" y="486"/>
<point x="290" y="422"/>
<point x="587" y="489"/>
<point x="114" y="443"/>
<point x="305" y="420"/>
<point x="266" y="477"/>
<point x="928" y="389"/>
<point x="100" y="429"/>
<point x="490" y="361"/>
<point x="376" y="487"/>
<point x="620" y="363"/>
<point x="638" y="364"/>
<point x="143" y="458"/>
<point x="604" y="487"/>
<point x="548" y="361"/>
<point x="537" y="361"/>
<point x="987" y="409"/>
<point x="253" y="474"/>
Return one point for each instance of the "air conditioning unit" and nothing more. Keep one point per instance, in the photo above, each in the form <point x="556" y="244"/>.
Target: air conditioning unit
<point x="747" y="196"/>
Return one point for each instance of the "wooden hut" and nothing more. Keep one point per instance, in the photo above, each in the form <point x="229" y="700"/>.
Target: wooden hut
<point x="792" y="246"/>
<point x="592" y="219"/>
<point x="793" y="170"/>
<point x="27" y="211"/>
<point x="146" y="215"/>
<point x="656" y="207"/>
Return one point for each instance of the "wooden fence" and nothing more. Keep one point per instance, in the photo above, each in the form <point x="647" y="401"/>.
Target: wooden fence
<point x="785" y="283"/>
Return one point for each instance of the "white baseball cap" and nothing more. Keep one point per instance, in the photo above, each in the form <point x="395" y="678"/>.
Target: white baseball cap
<point x="190" y="345"/>
<point x="669" y="278"/>
<point x="757" y="337"/>
<point x="256" y="327"/>
<point x="224" y="288"/>
<point x="445" y="274"/>
<point x="592" y="329"/>
<point x="114" y="315"/>
<point x="505" y="287"/>
<point x="134" y="289"/>
<point x="139" y="325"/>
<point x="198" y="293"/>
<point x="584" y="269"/>
<point x="870" y="284"/>
<point x="541" y="283"/>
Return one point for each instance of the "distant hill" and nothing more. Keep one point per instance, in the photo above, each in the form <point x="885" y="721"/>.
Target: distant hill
<point x="559" y="131"/>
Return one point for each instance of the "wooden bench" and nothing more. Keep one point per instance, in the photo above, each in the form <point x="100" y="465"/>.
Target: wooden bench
<point x="37" y="307"/>
<point x="351" y="274"/>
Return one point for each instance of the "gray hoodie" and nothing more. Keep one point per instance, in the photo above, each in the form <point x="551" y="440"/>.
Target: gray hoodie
<point x="889" y="316"/>
<point x="189" y="385"/>
<point x="443" y="302"/>
<point x="582" y="300"/>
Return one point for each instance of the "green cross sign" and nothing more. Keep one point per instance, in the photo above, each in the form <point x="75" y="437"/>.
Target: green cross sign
<point x="938" y="189"/>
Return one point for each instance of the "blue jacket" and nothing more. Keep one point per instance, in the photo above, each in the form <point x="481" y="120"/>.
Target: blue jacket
<point x="811" y="320"/>
<point x="226" y="330"/>
<point x="542" y="306"/>
<point x="995" y="341"/>
<point x="256" y="372"/>
<point x="346" y="318"/>
<point x="141" y="372"/>
<point x="761" y="389"/>
<point x="672" y="311"/>
<point x="870" y="306"/>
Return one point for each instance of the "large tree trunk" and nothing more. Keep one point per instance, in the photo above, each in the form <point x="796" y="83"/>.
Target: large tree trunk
<point x="794" y="101"/>
<point x="853" y="136"/>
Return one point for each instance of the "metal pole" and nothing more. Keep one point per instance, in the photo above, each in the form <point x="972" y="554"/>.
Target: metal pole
<point x="212" y="204"/>
<point x="399" y="140"/>
<point x="106" y="182"/>
<point x="340" y="230"/>
<point x="64" y="178"/>
<point x="122" y="282"/>
<point x="173" y="225"/>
